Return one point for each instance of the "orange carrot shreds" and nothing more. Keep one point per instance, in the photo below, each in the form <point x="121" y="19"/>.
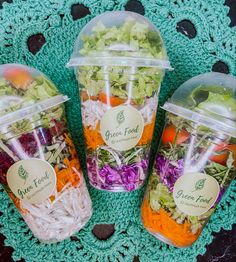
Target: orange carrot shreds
<point x="56" y="168"/>
<point x="68" y="140"/>
<point x="66" y="161"/>
<point x="67" y="175"/>
<point x="19" y="77"/>
<point x="111" y="100"/>
<point x="93" y="137"/>
<point x="147" y="133"/>
<point x="75" y="163"/>
<point x="72" y="150"/>
<point x="52" y="198"/>
<point x="161" y="222"/>
<point x="16" y="201"/>
<point x="62" y="179"/>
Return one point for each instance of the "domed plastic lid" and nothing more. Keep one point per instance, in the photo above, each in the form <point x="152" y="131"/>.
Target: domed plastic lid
<point x="25" y="91"/>
<point x="208" y="99"/>
<point x="119" y="38"/>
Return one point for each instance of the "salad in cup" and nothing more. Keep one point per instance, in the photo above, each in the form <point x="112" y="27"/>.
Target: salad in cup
<point x="119" y="60"/>
<point x="39" y="167"/>
<point x="196" y="160"/>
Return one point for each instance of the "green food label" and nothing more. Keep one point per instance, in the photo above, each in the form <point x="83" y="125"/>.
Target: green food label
<point x="122" y="127"/>
<point x="32" y="180"/>
<point x="195" y="193"/>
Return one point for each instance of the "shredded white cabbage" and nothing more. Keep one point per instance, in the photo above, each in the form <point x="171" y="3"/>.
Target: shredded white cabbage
<point x="54" y="221"/>
<point x="149" y="110"/>
<point x="93" y="111"/>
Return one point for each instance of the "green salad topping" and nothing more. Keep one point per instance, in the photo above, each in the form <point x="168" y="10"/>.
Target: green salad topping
<point x="13" y="99"/>
<point x="131" y="39"/>
<point x="214" y="100"/>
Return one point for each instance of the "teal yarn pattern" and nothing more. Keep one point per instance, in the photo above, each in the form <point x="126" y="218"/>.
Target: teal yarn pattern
<point x="215" y="41"/>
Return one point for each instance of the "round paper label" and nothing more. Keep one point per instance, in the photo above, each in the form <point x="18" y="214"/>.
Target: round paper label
<point x="32" y="180"/>
<point x="122" y="127"/>
<point x="195" y="193"/>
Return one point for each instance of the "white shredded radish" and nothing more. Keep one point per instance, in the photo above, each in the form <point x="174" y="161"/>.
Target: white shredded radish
<point x="92" y="112"/>
<point x="68" y="213"/>
<point x="149" y="110"/>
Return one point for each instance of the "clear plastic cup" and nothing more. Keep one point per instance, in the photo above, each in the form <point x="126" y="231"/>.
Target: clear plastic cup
<point x="195" y="162"/>
<point x="119" y="60"/>
<point x="39" y="168"/>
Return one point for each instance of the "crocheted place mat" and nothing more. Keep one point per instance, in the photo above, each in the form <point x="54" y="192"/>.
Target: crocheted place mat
<point x="41" y="34"/>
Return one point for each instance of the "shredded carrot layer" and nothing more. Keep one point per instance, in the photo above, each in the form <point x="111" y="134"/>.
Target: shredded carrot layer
<point x="67" y="174"/>
<point x="111" y="100"/>
<point x="147" y="133"/>
<point x="161" y="222"/>
<point x="71" y="146"/>
<point x="93" y="137"/>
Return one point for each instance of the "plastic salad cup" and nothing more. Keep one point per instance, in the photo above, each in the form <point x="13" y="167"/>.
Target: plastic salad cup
<point x="39" y="168"/>
<point x="119" y="60"/>
<point x="196" y="160"/>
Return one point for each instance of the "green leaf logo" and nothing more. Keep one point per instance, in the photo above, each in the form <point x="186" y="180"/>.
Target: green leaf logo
<point x="200" y="184"/>
<point x="120" y="118"/>
<point x="23" y="173"/>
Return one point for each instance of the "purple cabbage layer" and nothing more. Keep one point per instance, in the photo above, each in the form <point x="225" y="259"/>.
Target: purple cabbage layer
<point x="169" y="172"/>
<point x="129" y="176"/>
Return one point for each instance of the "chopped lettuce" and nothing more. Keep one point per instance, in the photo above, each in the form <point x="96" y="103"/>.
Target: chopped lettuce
<point x="130" y="36"/>
<point x="201" y="93"/>
<point x="144" y="83"/>
<point x="13" y="99"/>
<point x="215" y="100"/>
<point x="131" y="39"/>
<point x="222" y="105"/>
<point x="161" y="197"/>
<point x="223" y="174"/>
<point x="6" y="89"/>
<point x="40" y="89"/>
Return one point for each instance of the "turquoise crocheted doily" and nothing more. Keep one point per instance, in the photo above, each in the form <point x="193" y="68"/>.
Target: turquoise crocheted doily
<point x="214" y="41"/>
